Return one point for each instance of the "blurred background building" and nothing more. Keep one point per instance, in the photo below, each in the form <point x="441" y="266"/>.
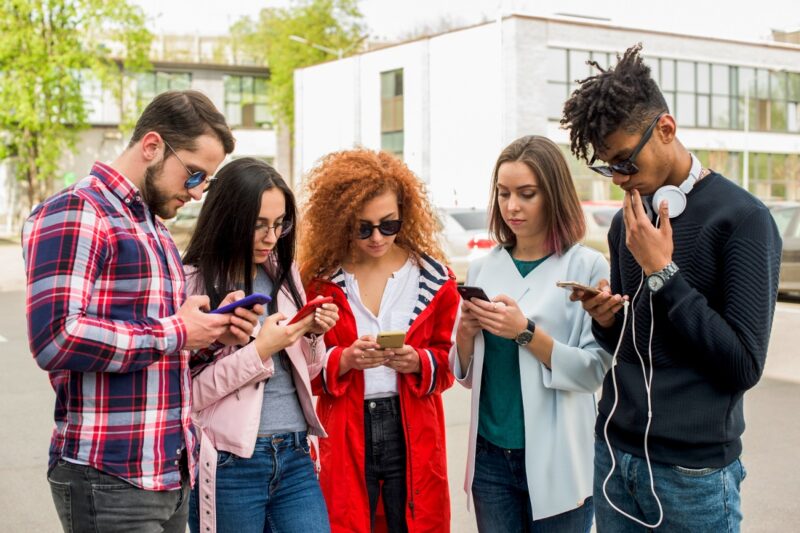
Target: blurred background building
<point x="448" y="103"/>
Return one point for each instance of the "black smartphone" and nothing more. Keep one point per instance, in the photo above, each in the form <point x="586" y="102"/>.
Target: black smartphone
<point x="467" y="292"/>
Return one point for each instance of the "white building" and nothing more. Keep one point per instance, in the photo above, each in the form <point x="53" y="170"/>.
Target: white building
<point x="449" y="103"/>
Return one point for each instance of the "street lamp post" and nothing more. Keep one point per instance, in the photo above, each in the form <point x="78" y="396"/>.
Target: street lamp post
<point x="339" y="53"/>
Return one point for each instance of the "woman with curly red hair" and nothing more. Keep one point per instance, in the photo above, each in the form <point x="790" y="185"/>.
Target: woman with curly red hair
<point x="369" y="241"/>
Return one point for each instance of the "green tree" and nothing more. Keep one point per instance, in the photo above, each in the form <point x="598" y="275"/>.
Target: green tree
<point x="49" y="50"/>
<point x="333" y="24"/>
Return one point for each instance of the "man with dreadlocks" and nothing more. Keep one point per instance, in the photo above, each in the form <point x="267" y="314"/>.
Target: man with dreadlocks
<point x="688" y="312"/>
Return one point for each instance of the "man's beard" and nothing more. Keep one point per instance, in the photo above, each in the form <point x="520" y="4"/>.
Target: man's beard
<point x="152" y="195"/>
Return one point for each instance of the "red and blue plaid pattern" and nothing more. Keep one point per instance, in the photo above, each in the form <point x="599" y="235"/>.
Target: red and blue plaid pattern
<point x="104" y="280"/>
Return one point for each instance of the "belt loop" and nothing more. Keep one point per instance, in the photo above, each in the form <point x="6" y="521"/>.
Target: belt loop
<point x="297" y="439"/>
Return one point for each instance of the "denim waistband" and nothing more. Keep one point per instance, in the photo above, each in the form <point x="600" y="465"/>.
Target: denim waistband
<point x="377" y="406"/>
<point x="295" y="438"/>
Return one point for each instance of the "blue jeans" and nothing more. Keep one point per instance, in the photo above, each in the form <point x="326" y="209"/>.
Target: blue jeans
<point x="694" y="500"/>
<point x="276" y="490"/>
<point x="502" y="500"/>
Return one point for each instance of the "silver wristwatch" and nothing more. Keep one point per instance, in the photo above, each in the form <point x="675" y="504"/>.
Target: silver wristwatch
<point x="657" y="280"/>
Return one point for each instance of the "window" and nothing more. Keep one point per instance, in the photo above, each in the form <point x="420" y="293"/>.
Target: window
<point x="246" y="102"/>
<point x="392" y="124"/>
<point x="151" y="84"/>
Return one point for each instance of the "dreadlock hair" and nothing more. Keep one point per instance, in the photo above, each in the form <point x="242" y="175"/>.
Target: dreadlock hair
<point x="624" y="96"/>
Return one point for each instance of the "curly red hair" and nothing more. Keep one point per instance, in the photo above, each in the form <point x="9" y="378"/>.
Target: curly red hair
<point x="337" y="190"/>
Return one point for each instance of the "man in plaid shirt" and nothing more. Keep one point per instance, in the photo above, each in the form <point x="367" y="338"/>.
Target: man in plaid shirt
<point x="109" y="320"/>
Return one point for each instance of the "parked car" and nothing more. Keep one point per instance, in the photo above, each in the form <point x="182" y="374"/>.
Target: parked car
<point x="787" y="218"/>
<point x="465" y="237"/>
<point x="598" y="220"/>
<point x="182" y="225"/>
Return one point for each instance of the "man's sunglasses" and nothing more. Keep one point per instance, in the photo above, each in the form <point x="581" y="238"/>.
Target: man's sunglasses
<point x="387" y="228"/>
<point x="195" y="178"/>
<point x="628" y="166"/>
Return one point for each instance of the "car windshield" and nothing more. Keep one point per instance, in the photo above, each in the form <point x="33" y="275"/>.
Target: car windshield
<point x="604" y="217"/>
<point x="782" y="216"/>
<point x="471" y="220"/>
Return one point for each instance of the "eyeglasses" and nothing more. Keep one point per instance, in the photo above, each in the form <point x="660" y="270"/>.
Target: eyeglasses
<point x="387" y="228"/>
<point x="281" y="229"/>
<point x="628" y="166"/>
<point x="195" y="178"/>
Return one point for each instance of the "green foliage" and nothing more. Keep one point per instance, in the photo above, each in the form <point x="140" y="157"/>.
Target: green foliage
<point x="49" y="50"/>
<point x="333" y="24"/>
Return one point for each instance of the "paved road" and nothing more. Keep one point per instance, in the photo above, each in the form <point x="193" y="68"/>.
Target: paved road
<point x="771" y="491"/>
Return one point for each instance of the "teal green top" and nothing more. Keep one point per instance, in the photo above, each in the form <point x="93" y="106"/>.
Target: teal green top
<point x="500" y="419"/>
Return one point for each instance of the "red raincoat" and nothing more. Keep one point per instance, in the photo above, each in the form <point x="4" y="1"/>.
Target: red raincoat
<point x="341" y="409"/>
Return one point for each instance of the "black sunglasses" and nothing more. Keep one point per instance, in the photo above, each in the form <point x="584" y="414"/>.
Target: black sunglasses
<point x="195" y="178"/>
<point x="628" y="166"/>
<point x="386" y="227"/>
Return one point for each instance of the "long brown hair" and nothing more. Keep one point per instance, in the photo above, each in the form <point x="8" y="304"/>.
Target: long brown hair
<point x="339" y="187"/>
<point x="563" y="213"/>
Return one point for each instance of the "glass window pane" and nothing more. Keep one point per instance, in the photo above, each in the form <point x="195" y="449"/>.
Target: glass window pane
<point x="182" y="82"/>
<point x="233" y="114"/>
<point x="578" y="69"/>
<point x="793" y="117"/>
<point x="777" y="85"/>
<point x="686" y="77"/>
<point x="686" y="110"/>
<point x="260" y="89"/>
<point x="702" y="111"/>
<point x="398" y="82"/>
<point x="721" y="109"/>
<point x="703" y="78"/>
<point x="721" y="79"/>
<point x="778" y="114"/>
<point x="556" y="96"/>
<point x="556" y="64"/>
<point x="793" y="86"/>
<point x="762" y="84"/>
<point x="747" y="81"/>
<point x="667" y="75"/>
<point x="670" y="98"/>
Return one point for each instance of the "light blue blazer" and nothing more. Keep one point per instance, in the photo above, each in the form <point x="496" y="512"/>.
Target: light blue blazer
<point x="558" y="403"/>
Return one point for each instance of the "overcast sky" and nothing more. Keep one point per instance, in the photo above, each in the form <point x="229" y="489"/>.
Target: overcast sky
<point x="750" y="20"/>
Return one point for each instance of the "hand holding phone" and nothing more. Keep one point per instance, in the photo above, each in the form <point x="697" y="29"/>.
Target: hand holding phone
<point x="309" y="308"/>
<point x="467" y="292"/>
<point x="246" y="302"/>
<point x="576" y="286"/>
<point x="389" y="340"/>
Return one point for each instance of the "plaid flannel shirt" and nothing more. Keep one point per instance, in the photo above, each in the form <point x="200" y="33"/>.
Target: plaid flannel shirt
<point x="104" y="279"/>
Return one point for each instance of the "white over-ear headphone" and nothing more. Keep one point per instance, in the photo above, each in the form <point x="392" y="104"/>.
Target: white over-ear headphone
<point x="676" y="196"/>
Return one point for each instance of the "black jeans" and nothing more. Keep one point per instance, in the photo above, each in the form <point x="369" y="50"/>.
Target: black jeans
<point x="86" y="499"/>
<point x="385" y="460"/>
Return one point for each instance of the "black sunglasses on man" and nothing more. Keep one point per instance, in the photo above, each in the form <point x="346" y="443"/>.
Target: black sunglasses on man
<point x="628" y="166"/>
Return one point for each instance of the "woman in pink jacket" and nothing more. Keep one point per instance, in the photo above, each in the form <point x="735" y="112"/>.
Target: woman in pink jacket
<point x="252" y="404"/>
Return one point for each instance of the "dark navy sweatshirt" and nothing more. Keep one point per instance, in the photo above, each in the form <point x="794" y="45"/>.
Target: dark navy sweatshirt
<point x="712" y="322"/>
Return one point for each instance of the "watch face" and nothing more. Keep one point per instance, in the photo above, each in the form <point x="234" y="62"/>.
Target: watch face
<point x="655" y="283"/>
<point x="524" y="338"/>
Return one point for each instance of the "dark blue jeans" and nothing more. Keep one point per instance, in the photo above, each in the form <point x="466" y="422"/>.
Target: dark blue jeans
<point x="385" y="461"/>
<point x="502" y="500"/>
<point x="276" y="490"/>
<point x="86" y="499"/>
<point x="693" y="499"/>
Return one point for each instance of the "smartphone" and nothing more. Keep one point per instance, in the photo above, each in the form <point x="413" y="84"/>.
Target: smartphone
<point x="309" y="308"/>
<point x="248" y="301"/>
<point x="467" y="292"/>
<point x="574" y="285"/>
<point x="391" y="339"/>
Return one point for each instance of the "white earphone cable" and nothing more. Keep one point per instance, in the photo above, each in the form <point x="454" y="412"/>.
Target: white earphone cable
<point x="648" y="382"/>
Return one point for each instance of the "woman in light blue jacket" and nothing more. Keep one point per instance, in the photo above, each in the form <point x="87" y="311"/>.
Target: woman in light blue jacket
<point x="528" y="354"/>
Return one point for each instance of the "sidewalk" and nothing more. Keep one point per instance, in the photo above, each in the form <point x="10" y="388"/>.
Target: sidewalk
<point x="12" y="268"/>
